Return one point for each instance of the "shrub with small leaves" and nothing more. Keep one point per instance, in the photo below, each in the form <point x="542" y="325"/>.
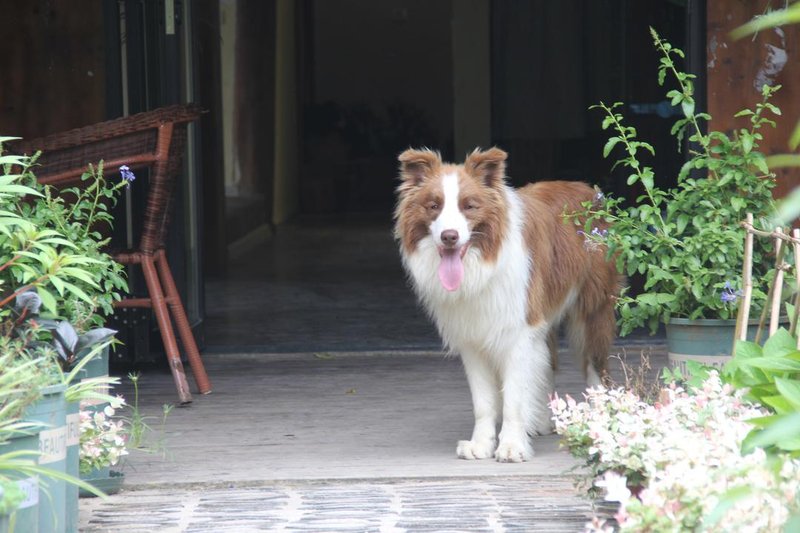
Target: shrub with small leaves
<point x="686" y="241"/>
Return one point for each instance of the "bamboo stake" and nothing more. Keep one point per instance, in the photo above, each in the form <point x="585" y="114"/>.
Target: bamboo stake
<point x="747" y="285"/>
<point x="793" y="323"/>
<point x="763" y="319"/>
<point x="777" y="291"/>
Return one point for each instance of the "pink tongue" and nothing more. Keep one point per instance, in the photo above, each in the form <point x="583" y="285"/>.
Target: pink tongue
<point x="451" y="269"/>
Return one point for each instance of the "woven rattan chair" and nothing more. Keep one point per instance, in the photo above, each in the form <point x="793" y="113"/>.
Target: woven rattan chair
<point x="154" y="140"/>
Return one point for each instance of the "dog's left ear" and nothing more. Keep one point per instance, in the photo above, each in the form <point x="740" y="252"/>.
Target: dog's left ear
<point x="488" y="166"/>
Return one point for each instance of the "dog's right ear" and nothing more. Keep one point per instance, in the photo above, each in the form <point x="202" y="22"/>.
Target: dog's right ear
<point x="416" y="165"/>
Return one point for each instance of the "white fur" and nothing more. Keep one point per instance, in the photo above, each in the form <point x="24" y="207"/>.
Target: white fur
<point x="450" y="217"/>
<point x="507" y="361"/>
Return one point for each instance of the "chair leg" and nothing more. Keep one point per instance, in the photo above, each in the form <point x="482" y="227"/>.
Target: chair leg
<point x="184" y="329"/>
<point x="165" y="327"/>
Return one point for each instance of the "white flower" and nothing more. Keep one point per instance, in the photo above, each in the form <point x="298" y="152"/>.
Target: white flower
<point x="616" y="487"/>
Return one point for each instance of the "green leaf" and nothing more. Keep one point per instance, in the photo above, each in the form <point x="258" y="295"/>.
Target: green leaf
<point x="778" y="403"/>
<point x="774" y="364"/>
<point x="58" y="284"/>
<point x="77" y="291"/>
<point x="779" y="344"/>
<point x="79" y="274"/>
<point x="747" y="143"/>
<point x="794" y="139"/>
<point x="781" y="429"/>
<point x="48" y="300"/>
<point x="610" y="144"/>
<point x="687" y="105"/>
<point x="790" y="390"/>
<point x="748" y="350"/>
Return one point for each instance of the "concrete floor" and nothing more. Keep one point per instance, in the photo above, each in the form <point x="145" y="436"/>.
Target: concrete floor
<point x="333" y="410"/>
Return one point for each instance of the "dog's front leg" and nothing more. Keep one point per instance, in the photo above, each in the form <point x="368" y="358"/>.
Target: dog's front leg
<point x="485" y="391"/>
<point x="527" y="381"/>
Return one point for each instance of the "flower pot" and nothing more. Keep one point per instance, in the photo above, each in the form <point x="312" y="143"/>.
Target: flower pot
<point x="50" y="412"/>
<point x="73" y="464"/>
<point x="26" y="517"/>
<point x="705" y="340"/>
<point x="105" y="479"/>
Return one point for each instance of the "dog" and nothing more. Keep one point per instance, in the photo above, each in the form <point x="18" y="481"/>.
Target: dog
<point x="497" y="269"/>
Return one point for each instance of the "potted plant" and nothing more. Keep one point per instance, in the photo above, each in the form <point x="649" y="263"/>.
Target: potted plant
<point x="56" y="284"/>
<point x="686" y="241"/>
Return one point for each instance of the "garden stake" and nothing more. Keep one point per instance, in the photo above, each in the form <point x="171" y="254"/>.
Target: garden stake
<point x="778" y="249"/>
<point x="796" y="300"/>
<point x="747" y="282"/>
<point x="777" y="285"/>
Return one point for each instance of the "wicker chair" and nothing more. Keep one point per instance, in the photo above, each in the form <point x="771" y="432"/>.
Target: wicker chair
<point x="153" y="140"/>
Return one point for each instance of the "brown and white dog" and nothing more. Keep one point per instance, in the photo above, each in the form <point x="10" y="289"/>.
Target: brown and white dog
<point x="497" y="269"/>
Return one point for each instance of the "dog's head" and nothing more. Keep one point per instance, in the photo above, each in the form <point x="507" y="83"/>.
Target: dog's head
<point x="458" y="207"/>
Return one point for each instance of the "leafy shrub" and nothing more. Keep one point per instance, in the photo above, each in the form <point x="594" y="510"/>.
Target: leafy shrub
<point x="686" y="241"/>
<point x="771" y="377"/>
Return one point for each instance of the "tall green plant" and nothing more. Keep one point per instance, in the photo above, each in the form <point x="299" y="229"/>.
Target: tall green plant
<point x="685" y="241"/>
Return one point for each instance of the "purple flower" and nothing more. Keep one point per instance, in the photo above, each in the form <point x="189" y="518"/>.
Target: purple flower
<point x="597" y="232"/>
<point x="728" y="295"/>
<point x="127" y="174"/>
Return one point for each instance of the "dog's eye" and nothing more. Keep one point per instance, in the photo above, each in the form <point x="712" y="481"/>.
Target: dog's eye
<point x="471" y="206"/>
<point x="433" y="206"/>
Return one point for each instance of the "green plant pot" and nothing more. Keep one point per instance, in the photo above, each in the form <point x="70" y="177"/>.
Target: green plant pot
<point x="97" y="366"/>
<point x="50" y="411"/>
<point x="705" y="340"/>
<point x="73" y="462"/>
<point x="26" y="517"/>
<point x="105" y="479"/>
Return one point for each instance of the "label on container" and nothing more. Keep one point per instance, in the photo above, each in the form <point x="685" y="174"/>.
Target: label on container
<point x="52" y="445"/>
<point x="29" y="487"/>
<point x="73" y="429"/>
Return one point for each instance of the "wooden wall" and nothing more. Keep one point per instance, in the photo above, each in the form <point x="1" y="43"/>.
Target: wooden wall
<point x="736" y="70"/>
<point x="53" y="65"/>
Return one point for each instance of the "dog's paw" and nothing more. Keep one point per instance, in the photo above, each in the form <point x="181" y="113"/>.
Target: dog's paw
<point x="513" y="452"/>
<point x="471" y="449"/>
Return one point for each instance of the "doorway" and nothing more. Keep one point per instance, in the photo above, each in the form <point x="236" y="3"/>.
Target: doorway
<point x="346" y="85"/>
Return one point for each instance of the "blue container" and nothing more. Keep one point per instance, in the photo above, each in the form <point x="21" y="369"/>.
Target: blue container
<point x="73" y="463"/>
<point x="50" y="411"/>
<point x="26" y="517"/>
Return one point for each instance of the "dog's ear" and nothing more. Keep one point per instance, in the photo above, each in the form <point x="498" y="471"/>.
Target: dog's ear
<point x="488" y="166"/>
<point x="416" y="165"/>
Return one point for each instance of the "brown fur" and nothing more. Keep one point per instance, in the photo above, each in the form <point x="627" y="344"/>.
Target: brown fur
<point x="559" y="257"/>
<point x="561" y="262"/>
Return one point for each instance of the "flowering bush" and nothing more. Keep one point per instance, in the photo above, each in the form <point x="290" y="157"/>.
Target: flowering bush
<point x="676" y="464"/>
<point x="103" y="440"/>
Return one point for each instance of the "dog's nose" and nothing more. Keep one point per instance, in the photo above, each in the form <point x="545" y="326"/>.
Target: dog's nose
<point x="449" y="237"/>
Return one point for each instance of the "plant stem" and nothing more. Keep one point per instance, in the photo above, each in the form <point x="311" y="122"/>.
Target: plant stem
<point x="638" y="168"/>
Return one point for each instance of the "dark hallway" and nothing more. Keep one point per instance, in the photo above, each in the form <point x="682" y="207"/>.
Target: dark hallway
<point x="320" y="284"/>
